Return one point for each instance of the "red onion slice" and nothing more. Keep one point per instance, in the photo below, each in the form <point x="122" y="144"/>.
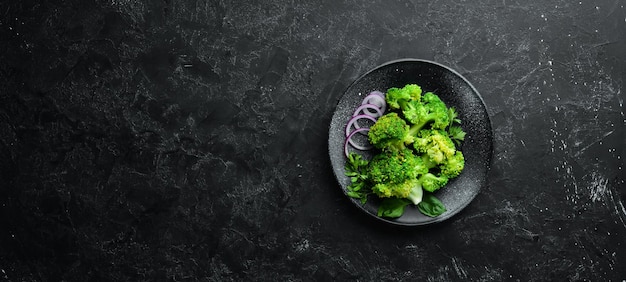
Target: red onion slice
<point x="375" y="99"/>
<point x="381" y="94"/>
<point x="356" y="146"/>
<point x="372" y="107"/>
<point x="353" y="121"/>
<point x="362" y="108"/>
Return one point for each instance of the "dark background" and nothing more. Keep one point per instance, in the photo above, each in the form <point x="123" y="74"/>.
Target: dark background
<point x="187" y="140"/>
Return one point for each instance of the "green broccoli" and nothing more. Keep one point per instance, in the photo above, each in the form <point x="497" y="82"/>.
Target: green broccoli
<point x="395" y="166"/>
<point x="393" y="132"/>
<point x="431" y="182"/>
<point x="453" y="166"/>
<point x="431" y="111"/>
<point x="417" y="154"/>
<point x="410" y="189"/>
<point x="436" y="144"/>
<point x="398" y="97"/>
<point x="407" y="100"/>
<point x="395" y="174"/>
<point x="398" y="190"/>
<point x="390" y="132"/>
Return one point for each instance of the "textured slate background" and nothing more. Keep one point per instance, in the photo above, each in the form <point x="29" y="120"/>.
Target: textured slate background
<point x="187" y="140"/>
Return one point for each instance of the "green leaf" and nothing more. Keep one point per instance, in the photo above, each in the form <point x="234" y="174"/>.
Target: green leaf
<point x="392" y="207"/>
<point x="356" y="186"/>
<point x="457" y="134"/>
<point x="356" y="170"/>
<point x="453" y="115"/>
<point x="353" y="194"/>
<point x="431" y="206"/>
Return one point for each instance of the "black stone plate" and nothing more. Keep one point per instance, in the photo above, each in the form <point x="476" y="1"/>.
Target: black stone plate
<point x="455" y="91"/>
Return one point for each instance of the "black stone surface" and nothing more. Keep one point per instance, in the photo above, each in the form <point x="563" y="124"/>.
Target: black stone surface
<point x="187" y="140"/>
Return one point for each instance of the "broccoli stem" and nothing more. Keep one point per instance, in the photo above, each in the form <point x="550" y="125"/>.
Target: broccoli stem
<point x="414" y="129"/>
<point x="415" y="196"/>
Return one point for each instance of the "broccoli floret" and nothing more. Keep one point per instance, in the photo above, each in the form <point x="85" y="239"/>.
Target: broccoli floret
<point x="436" y="144"/>
<point x="432" y="111"/>
<point x="395" y="166"/>
<point x="413" y="111"/>
<point x="393" y="132"/>
<point x="407" y="100"/>
<point x="431" y="182"/>
<point x="397" y="97"/>
<point x="410" y="189"/>
<point x="390" y="132"/>
<point x="398" y="190"/>
<point x="453" y="166"/>
<point x="395" y="173"/>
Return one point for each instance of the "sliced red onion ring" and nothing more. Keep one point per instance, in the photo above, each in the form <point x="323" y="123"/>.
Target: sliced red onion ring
<point x="362" y="108"/>
<point x="375" y="99"/>
<point x="356" y="146"/>
<point x="353" y="121"/>
<point x="381" y="94"/>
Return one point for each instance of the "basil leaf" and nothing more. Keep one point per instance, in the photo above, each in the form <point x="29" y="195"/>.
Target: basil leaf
<point x="392" y="207"/>
<point x="431" y="206"/>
